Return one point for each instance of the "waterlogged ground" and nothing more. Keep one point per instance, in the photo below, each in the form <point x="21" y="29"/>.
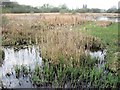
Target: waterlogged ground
<point x="69" y="36"/>
<point x="109" y="36"/>
<point x="28" y="58"/>
<point x="105" y="18"/>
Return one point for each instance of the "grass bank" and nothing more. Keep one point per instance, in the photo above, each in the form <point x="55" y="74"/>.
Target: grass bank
<point x="109" y="36"/>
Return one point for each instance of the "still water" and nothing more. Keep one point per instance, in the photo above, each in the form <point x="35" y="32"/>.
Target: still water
<point x="28" y="57"/>
<point x="112" y="19"/>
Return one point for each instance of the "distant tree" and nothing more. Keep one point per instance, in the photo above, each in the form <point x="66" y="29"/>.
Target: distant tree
<point x="83" y="10"/>
<point x="103" y="11"/>
<point x="63" y="6"/>
<point x="46" y="8"/>
<point x="14" y="7"/>
<point x="5" y="0"/>
<point x="112" y="10"/>
<point x="63" y="9"/>
<point x="55" y="9"/>
<point x="9" y="4"/>
<point x="118" y="10"/>
<point x="95" y="10"/>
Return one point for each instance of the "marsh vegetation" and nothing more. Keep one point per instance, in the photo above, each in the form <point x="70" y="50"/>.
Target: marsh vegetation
<point x="63" y="40"/>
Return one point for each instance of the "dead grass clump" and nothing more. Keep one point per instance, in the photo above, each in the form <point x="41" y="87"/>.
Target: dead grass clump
<point x="103" y="23"/>
<point x="44" y="21"/>
<point x="69" y="45"/>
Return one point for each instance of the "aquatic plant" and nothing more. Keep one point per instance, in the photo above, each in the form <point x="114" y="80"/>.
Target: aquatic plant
<point x="17" y="71"/>
<point x="25" y="70"/>
<point x="81" y="77"/>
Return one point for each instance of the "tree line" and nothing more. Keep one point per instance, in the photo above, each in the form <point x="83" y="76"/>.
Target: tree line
<point x="14" y="7"/>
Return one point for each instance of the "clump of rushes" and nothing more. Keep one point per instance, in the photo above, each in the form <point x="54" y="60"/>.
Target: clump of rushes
<point x="21" y="70"/>
<point x="70" y="45"/>
<point x="37" y="78"/>
<point x="61" y="75"/>
<point x="25" y="70"/>
<point x="17" y="71"/>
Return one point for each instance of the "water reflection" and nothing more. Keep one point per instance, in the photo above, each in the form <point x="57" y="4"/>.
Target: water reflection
<point x="100" y="56"/>
<point x="28" y="57"/>
<point x="112" y="19"/>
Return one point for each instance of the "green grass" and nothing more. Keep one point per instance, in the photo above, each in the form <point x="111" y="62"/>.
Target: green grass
<point x="59" y="75"/>
<point x="108" y="36"/>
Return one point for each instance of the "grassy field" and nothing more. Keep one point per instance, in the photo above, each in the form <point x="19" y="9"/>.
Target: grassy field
<point x="63" y="41"/>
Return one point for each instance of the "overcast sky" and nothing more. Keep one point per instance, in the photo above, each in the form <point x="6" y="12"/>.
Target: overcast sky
<point x="102" y="4"/>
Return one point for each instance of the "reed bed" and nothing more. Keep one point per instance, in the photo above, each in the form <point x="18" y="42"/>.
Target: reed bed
<point x="70" y="45"/>
<point x="54" y="43"/>
<point x="30" y="28"/>
<point x="65" y="63"/>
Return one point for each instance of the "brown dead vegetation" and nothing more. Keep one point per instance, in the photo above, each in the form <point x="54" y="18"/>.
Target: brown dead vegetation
<point x="103" y="23"/>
